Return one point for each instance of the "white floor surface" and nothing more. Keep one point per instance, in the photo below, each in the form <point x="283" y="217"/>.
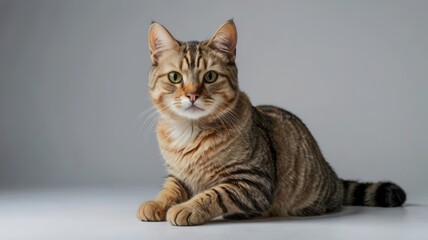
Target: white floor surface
<point x="110" y="214"/>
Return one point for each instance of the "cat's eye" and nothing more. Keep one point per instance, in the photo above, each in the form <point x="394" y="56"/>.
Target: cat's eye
<point x="210" y="77"/>
<point x="175" y="77"/>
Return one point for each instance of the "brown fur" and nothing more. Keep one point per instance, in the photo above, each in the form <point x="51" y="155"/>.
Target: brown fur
<point x="228" y="158"/>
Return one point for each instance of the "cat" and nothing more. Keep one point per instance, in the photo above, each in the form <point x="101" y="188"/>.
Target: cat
<point x="228" y="158"/>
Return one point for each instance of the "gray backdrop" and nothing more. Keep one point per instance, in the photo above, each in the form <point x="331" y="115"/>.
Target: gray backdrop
<point x="74" y="74"/>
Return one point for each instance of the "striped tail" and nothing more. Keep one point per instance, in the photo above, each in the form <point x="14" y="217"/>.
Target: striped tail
<point x="379" y="194"/>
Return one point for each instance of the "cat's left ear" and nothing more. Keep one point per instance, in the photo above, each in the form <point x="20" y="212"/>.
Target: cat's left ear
<point x="160" y="40"/>
<point x="225" y="39"/>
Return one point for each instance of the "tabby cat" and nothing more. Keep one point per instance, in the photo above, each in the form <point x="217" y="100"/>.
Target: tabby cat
<point x="228" y="158"/>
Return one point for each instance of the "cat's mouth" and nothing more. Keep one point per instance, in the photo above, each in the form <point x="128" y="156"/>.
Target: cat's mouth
<point x="194" y="108"/>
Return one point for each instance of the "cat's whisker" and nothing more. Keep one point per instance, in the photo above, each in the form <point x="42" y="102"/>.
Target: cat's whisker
<point x="147" y="111"/>
<point x="152" y="124"/>
<point x="152" y="107"/>
<point x="151" y="118"/>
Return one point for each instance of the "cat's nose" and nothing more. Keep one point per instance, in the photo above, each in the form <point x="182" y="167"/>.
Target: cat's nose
<point x="192" y="97"/>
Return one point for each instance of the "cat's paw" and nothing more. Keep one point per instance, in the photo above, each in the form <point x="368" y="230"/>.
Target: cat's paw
<point x="185" y="215"/>
<point x="151" y="212"/>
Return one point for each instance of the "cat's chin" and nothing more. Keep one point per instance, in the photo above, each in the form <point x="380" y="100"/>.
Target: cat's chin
<point x="193" y="113"/>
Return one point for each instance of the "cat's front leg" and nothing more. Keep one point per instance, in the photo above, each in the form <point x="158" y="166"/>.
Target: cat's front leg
<point x="173" y="192"/>
<point x="224" y="199"/>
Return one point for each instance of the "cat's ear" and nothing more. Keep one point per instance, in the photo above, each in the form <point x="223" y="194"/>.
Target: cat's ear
<point x="160" y="40"/>
<point x="225" y="39"/>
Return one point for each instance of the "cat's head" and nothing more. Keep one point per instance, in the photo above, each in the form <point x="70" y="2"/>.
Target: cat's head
<point x="193" y="80"/>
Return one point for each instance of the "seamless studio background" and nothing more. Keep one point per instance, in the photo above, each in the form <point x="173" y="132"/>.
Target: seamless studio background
<point x="78" y="153"/>
<point x="73" y="77"/>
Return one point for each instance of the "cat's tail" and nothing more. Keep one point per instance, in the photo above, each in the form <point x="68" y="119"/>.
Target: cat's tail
<point x="379" y="194"/>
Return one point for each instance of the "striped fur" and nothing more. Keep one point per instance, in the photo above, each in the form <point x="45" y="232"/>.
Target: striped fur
<point x="381" y="194"/>
<point x="228" y="158"/>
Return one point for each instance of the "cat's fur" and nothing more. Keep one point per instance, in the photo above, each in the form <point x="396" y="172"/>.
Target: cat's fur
<point x="228" y="158"/>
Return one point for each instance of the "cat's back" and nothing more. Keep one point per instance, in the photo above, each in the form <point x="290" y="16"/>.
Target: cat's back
<point x="278" y="121"/>
<point x="273" y="113"/>
<point x="288" y="134"/>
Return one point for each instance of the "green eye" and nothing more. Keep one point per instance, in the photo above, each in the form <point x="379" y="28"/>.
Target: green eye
<point x="210" y="77"/>
<point x="175" y="77"/>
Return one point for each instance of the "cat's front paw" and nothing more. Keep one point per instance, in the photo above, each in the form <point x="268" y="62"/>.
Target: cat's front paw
<point x="185" y="215"/>
<point x="151" y="212"/>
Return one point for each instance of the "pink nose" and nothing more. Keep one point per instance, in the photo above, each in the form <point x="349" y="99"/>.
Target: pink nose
<point x="192" y="96"/>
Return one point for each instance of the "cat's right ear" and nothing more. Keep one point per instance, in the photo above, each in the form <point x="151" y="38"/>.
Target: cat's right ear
<point x="225" y="39"/>
<point x="160" y="40"/>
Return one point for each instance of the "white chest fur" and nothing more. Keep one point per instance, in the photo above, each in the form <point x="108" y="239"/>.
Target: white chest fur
<point x="182" y="133"/>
